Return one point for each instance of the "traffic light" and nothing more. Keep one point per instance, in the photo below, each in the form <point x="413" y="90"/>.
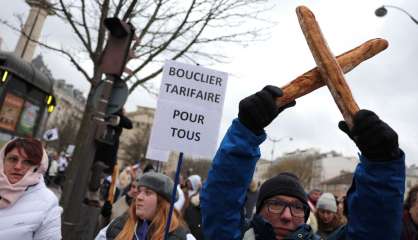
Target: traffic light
<point x="4" y="76"/>
<point x="117" y="48"/>
<point x="50" y="103"/>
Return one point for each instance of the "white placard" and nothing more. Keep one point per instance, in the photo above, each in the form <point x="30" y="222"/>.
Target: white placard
<point x="189" y="109"/>
<point x="70" y="150"/>
<point x="158" y="155"/>
<point x="51" y="134"/>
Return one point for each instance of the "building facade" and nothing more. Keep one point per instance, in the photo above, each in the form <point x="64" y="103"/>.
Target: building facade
<point x="411" y="177"/>
<point x="324" y="165"/>
<point x="70" y="105"/>
<point x="330" y="166"/>
<point x="338" y="185"/>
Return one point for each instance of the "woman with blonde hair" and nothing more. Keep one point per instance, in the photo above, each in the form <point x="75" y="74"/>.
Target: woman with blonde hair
<point x="148" y="215"/>
<point x="329" y="219"/>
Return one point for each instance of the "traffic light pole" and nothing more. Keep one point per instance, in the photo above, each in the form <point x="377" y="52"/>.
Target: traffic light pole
<point x="78" y="173"/>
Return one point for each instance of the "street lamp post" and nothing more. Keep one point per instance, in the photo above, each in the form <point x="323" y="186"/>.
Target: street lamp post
<point x="382" y="11"/>
<point x="274" y="141"/>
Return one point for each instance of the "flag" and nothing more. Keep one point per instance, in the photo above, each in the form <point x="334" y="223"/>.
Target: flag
<point x="51" y="134"/>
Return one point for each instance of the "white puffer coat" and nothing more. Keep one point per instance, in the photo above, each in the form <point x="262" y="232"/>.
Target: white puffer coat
<point x="35" y="216"/>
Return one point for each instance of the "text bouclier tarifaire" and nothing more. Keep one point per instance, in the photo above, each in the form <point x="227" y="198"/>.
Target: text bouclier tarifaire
<point x="191" y="92"/>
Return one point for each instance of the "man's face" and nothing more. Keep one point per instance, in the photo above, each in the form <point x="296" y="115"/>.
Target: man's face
<point x="284" y="220"/>
<point x="314" y="196"/>
<point x="133" y="190"/>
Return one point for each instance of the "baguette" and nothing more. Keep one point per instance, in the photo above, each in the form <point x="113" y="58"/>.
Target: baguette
<point x="330" y="71"/>
<point x="312" y="79"/>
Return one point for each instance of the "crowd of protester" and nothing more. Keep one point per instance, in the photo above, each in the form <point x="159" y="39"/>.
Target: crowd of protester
<point x="229" y="204"/>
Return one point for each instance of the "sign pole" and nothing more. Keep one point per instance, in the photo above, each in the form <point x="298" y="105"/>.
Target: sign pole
<point x="173" y="195"/>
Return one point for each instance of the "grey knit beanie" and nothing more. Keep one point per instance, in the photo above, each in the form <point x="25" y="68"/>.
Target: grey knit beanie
<point x="158" y="182"/>
<point x="327" y="202"/>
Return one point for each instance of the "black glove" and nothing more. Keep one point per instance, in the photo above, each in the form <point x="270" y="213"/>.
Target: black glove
<point x="375" y="139"/>
<point x="106" y="209"/>
<point x="259" y="110"/>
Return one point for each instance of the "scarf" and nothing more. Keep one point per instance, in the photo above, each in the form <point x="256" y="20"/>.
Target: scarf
<point x="141" y="231"/>
<point x="10" y="193"/>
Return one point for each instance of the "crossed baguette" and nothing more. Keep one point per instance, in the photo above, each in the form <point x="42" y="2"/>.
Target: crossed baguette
<point x="330" y="70"/>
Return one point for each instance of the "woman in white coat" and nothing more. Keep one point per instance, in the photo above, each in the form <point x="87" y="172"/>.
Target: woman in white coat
<point x="28" y="209"/>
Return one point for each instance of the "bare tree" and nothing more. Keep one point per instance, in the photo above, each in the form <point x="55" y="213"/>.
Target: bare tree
<point x="300" y="166"/>
<point x="167" y="29"/>
<point x="195" y="31"/>
<point x="68" y="133"/>
<point x="136" y="147"/>
<point x="200" y="167"/>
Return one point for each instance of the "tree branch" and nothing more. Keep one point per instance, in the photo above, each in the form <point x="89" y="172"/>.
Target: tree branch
<point x="129" y="11"/>
<point x="77" y="32"/>
<point x="86" y="27"/>
<point x="101" y="32"/>
<point x="143" y="80"/>
<point x="165" y="45"/>
<point x="118" y="7"/>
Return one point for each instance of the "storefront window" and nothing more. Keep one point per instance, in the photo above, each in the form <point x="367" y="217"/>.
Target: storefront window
<point x="10" y="111"/>
<point x="28" y="119"/>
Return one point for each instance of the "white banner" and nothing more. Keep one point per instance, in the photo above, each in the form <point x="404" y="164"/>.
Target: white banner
<point x="189" y="109"/>
<point x="158" y="155"/>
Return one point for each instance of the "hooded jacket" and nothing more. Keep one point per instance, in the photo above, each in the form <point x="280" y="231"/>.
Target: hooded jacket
<point x="376" y="193"/>
<point x="33" y="213"/>
<point x="196" y="182"/>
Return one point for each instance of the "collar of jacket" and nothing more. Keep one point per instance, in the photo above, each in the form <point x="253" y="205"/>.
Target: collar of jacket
<point x="264" y="231"/>
<point x="303" y="232"/>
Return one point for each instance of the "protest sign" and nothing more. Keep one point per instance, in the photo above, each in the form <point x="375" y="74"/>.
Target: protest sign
<point x="189" y="109"/>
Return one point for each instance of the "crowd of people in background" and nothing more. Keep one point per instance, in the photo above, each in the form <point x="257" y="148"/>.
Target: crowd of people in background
<point x="55" y="174"/>
<point x="120" y="219"/>
<point x="229" y="204"/>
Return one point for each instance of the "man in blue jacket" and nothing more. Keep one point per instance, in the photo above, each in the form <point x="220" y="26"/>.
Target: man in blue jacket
<point x="374" y="199"/>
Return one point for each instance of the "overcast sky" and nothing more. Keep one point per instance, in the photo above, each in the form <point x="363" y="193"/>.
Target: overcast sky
<point x="386" y="84"/>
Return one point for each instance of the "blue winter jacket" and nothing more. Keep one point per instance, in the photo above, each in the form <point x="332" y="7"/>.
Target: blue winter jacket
<point x="374" y="199"/>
